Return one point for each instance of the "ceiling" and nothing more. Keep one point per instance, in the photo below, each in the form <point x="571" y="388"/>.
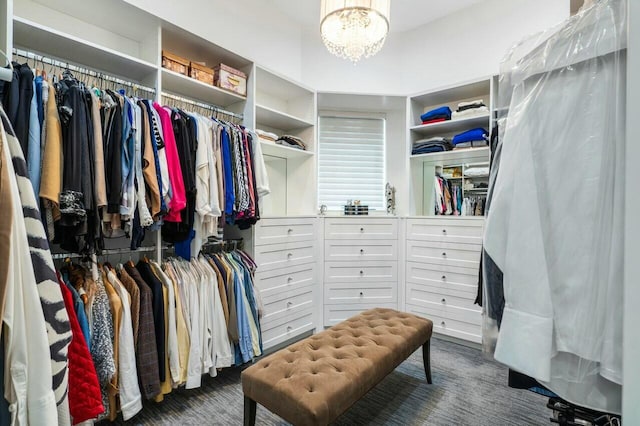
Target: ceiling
<point x="405" y="14"/>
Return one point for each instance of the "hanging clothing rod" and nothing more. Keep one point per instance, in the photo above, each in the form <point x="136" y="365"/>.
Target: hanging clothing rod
<point x="74" y="68"/>
<point x="107" y="252"/>
<point x="202" y="105"/>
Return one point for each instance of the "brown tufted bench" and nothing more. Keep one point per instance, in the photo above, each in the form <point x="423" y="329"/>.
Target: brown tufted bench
<point x="316" y="379"/>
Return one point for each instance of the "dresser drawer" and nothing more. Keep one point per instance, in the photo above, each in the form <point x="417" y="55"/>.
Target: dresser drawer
<point x="273" y="231"/>
<point x="273" y="256"/>
<point x="354" y="293"/>
<point x="471" y="314"/>
<point x="433" y="273"/>
<point x="298" y="300"/>
<point x="441" y="253"/>
<point x="295" y="325"/>
<point x="449" y="327"/>
<point x="354" y="250"/>
<point x="417" y="294"/>
<point x="334" y="314"/>
<point x="360" y="272"/>
<point x="361" y="229"/>
<point x="273" y="283"/>
<point x="459" y="230"/>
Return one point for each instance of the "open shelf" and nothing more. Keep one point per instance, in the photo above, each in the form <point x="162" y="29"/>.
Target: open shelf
<point x="270" y="117"/>
<point x="188" y="87"/>
<point x="280" y="151"/>
<point x="457" y="156"/>
<point x="452" y="126"/>
<point x="49" y="42"/>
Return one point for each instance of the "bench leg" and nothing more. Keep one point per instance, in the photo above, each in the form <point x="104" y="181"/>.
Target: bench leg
<point x="426" y="359"/>
<point x="249" y="411"/>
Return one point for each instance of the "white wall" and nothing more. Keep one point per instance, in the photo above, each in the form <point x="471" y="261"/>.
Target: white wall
<point x="249" y="28"/>
<point x="459" y="47"/>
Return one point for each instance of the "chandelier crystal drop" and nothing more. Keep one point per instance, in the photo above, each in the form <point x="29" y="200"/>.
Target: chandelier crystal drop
<point x="353" y="29"/>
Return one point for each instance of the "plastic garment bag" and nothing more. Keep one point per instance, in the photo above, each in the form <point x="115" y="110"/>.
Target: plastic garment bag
<point x="554" y="231"/>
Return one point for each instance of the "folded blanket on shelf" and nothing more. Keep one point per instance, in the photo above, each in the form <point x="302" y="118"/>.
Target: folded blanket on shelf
<point x="268" y="136"/>
<point x="477" y="134"/>
<point x="471" y="104"/>
<point x="476" y="171"/>
<point x="470" y="112"/>
<point x="425" y="146"/>
<point x="291" y="141"/>
<point x="434" y="120"/>
<point x="473" y="144"/>
<point x="441" y="112"/>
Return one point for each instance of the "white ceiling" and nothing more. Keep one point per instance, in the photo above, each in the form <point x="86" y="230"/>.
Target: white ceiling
<point x="405" y="14"/>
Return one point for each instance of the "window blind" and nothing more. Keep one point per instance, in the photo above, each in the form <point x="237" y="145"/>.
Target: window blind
<point x="351" y="161"/>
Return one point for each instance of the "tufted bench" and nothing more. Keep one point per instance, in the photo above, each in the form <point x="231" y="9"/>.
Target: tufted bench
<point x="316" y="379"/>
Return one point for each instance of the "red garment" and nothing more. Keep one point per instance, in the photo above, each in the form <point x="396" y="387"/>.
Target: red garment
<point x="85" y="400"/>
<point x="178" y="195"/>
<point x="435" y="120"/>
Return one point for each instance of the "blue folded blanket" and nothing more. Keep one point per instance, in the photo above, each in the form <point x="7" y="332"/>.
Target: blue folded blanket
<point x="442" y="111"/>
<point x="477" y="134"/>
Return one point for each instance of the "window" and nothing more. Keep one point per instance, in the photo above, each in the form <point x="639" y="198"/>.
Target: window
<point x="351" y="162"/>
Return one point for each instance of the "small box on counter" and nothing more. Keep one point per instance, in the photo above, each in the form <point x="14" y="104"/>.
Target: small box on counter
<point x="175" y="63"/>
<point x="201" y="73"/>
<point x="356" y="210"/>
<point x="228" y="78"/>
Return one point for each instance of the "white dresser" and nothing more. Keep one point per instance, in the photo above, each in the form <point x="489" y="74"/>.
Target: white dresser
<point x="442" y="266"/>
<point x="360" y="266"/>
<point x="286" y="254"/>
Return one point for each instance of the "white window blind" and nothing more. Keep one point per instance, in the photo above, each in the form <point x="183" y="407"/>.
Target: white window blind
<point x="351" y="162"/>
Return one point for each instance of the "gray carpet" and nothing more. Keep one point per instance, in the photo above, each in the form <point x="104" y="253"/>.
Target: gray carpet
<point x="468" y="389"/>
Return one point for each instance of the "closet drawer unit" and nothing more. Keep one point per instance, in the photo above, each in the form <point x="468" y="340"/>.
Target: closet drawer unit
<point x="361" y="229"/>
<point x="273" y="231"/>
<point x="449" y="327"/>
<point x="337" y="250"/>
<point x="447" y="254"/>
<point x="361" y="272"/>
<point x="295" y="302"/>
<point x="433" y="273"/>
<point x="468" y="231"/>
<point x="275" y="334"/>
<point x="464" y="291"/>
<point x="334" y="314"/>
<point x="272" y="284"/>
<point x="353" y="293"/>
<point x="273" y="256"/>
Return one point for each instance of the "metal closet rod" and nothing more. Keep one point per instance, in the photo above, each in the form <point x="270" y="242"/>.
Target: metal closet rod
<point x="202" y="105"/>
<point x="107" y="252"/>
<point x="91" y="73"/>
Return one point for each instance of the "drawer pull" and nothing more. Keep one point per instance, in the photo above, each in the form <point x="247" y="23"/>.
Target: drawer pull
<point x="290" y="304"/>
<point x="361" y="251"/>
<point x="444" y="231"/>
<point x="289" y="255"/>
<point x="361" y="229"/>
<point x="444" y="300"/>
<point x="289" y="328"/>
<point x="444" y="254"/>
<point x="444" y="278"/>
<point x="290" y="279"/>
<point x="443" y="324"/>
<point x="361" y="272"/>
<point x="289" y="231"/>
<point x="361" y="294"/>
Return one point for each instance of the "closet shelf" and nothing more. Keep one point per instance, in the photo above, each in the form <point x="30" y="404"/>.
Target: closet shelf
<point x="191" y="88"/>
<point x="275" y="119"/>
<point x="451" y="126"/>
<point x="457" y="156"/>
<point x="279" y="151"/>
<point x="53" y="43"/>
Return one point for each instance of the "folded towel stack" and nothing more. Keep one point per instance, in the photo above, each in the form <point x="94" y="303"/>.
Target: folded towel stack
<point x="442" y="113"/>
<point x="470" y="109"/>
<point x="291" y="142"/>
<point x="471" y="138"/>
<point x="267" y="136"/>
<point x="425" y="146"/>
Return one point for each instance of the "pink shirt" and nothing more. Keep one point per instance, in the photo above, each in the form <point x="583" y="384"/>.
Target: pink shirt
<point x="178" y="197"/>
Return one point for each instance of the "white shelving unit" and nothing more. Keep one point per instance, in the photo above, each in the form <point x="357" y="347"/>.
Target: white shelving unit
<point x="274" y="119"/>
<point x="283" y="152"/>
<point x="450" y="126"/>
<point x="179" y="84"/>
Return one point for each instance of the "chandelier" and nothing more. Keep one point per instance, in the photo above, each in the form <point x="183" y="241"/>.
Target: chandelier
<point x="352" y="29"/>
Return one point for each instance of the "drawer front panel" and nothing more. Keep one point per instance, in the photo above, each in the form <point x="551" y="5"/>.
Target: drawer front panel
<point x="370" y="293"/>
<point x="448" y="254"/>
<point x="361" y="272"/>
<point x="295" y="302"/>
<point x="334" y="314"/>
<point x="273" y="231"/>
<point x="275" y="256"/>
<point x="449" y="327"/>
<point x="467" y="231"/>
<point x="294" y="326"/>
<point x="420" y="272"/>
<point x="353" y="250"/>
<point x="418" y="294"/>
<point x="364" y="229"/>
<point x="273" y="284"/>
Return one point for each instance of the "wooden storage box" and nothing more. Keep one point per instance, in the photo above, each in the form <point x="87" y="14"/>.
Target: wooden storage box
<point x="201" y="73"/>
<point x="230" y="79"/>
<point x="175" y="63"/>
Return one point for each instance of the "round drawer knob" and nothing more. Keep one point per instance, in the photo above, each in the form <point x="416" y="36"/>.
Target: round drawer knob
<point x="289" y="304"/>
<point x="361" y="251"/>
<point x="444" y="278"/>
<point x="289" y="255"/>
<point x="361" y="294"/>
<point x="444" y="254"/>
<point x="443" y="324"/>
<point x="444" y="301"/>
<point x="290" y="328"/>
<point x="290" y="280"/>
<point x="361" y="229"/>
<point x="444" y="231"/>
<point x="289" y="230"/>
<point x="361" y="272"/>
